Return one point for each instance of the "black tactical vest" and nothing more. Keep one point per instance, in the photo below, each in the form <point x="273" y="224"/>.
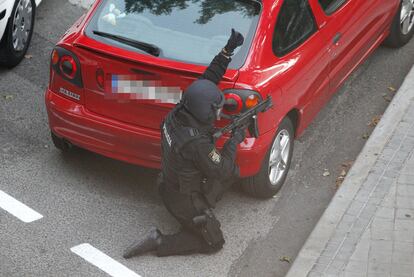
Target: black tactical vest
<point x="179" y="171"/>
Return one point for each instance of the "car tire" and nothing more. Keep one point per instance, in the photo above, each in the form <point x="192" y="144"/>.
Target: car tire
<point x="60" y="143"/>
<point x="261" y="185"/>
<point x="402" y="28"/>
<point x="12" y="49"/>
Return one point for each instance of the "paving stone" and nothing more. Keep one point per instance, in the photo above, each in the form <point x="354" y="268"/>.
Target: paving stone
<point x="319" y="267"/>
<point x="380" y="256"/>
<point x="332" y="248"/>
<point x="357" y="267"/>
<point x="405" y="190"/>
<point x="385" y="213"/>
<point x="338" y="264"/>
<point x="389" y="200"/>
<point x="373" y="178"/>
<point x="324" y="260"/>
<point x="379" y="274"/>
<point x="362" y="223"/>
<point x="332" y="272"/>
<point x="362" y="195"/>
<point x="387" y="154"/>
<point x="406" y="179"/>
<point x="390" y="173"/>
<point x="405" y="214"/>
<point x="402" y="270"/>
<point x="404" y="125"/>
<point x="381" y="234"/>
<point x="379" y="268"/>
<point x="345" y="252"/>
<point x="401" y="257"/>
<point x="396" y="165"/>
<point x="394" y="144"/>
<point x="376" y="198"/>
<point x="401" y="155"/>
<point x="403" y="224"/>
<point x="400" y="133"/>
<point x="403" y="236"/>
<point x="355" y="208"/>
<point x="314" y="274"/>
<point x="404" y="202"/>
<point x="381" y="246"/>
<point x="404" y="247"/>
<point x="406" y="147"/>
<point x="353" y="274"/>
<point x="383" y="224"/>
<point x="385" y="183"/>
<point x="361" y="252"/>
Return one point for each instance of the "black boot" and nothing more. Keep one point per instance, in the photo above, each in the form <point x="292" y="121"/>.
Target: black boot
<point x="148" y="244"/>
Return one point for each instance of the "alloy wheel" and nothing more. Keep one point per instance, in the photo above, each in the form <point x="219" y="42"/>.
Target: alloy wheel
<point x="407" y="16"/>
<point x="279" y="156"/>
<point x="22" y="24"/>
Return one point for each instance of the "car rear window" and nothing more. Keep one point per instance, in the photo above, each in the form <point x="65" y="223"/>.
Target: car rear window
<point x="192" y="31"/>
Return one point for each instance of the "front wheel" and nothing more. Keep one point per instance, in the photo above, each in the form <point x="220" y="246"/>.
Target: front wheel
<point x="18" y="34"/>
<point x="402" y="28"/>
<point x="276" y="165"/>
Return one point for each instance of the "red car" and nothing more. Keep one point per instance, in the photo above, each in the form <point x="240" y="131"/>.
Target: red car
<point x="117" y="71"/>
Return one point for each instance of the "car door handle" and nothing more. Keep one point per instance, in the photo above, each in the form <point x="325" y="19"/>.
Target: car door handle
<point x="337" y="38"/>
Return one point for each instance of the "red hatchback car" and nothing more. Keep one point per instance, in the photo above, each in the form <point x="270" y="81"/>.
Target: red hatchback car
<point x="120" y="68"/>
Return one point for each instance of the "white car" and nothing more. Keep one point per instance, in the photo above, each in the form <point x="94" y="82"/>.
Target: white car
<point x="16" y="29"/>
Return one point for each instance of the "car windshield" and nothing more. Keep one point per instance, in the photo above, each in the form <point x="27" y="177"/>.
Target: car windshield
<point x="192" y="31"/>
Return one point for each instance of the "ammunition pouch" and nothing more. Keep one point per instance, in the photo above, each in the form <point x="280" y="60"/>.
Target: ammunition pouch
<point x="210" y="229"/>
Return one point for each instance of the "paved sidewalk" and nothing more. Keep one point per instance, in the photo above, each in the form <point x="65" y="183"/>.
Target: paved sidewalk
<point x="368" y="228"/>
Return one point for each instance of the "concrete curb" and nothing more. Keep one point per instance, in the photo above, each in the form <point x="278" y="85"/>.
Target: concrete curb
<point x="326" y="226"/>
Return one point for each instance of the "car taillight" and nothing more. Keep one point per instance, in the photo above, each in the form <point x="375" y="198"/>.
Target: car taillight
<point x="55" y="57"/>
<point x="233" y="103"/>
<point x="251" y="101"/>
<point x="68" y="67"/>
<point x="240" y="100"/>
<point x="66" y="64"/>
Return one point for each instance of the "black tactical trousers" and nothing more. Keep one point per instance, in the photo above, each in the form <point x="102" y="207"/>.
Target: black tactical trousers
<point x="192" y="237"/>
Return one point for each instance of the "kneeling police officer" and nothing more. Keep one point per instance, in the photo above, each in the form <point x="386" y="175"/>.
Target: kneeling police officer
<point x="194" y="173"/>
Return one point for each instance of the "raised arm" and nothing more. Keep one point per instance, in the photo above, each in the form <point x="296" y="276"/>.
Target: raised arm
<point x="219" y="64"/>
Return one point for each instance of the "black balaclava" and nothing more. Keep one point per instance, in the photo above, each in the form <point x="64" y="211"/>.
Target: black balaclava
<point x="202" y="99"/>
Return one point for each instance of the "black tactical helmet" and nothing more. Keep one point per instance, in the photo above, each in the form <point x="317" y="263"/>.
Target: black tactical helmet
<point x="204" y="100"/>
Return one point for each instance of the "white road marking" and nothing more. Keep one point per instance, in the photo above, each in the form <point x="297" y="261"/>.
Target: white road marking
<point x="17" y="208"/>
<point x="102" y="261"/>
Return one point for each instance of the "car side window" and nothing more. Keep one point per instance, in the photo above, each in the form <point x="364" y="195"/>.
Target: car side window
<point x="330" y="6"/>
<point x="295" y="24"/>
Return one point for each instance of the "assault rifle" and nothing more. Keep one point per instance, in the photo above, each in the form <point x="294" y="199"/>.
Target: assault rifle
<point x="247" y="119"/>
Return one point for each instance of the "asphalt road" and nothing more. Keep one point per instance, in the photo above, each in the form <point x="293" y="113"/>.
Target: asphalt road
<point x="86" y="198"/>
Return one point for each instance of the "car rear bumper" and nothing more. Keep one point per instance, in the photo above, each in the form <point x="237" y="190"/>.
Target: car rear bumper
<point x="127" y="142"/>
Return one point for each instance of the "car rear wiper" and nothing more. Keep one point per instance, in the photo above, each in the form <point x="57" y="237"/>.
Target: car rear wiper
<point x="147" y="47"/>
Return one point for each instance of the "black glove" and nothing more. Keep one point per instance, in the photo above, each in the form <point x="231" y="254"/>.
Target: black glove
<point x="236" y="39"/>
<point x="238" y="135"/>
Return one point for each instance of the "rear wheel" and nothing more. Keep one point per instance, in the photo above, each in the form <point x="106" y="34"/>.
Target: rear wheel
<point x="276" y="165"/>
<point x="402" y="28"/>
<point x="60" y="143"/>
<point x="18" y="34"/>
